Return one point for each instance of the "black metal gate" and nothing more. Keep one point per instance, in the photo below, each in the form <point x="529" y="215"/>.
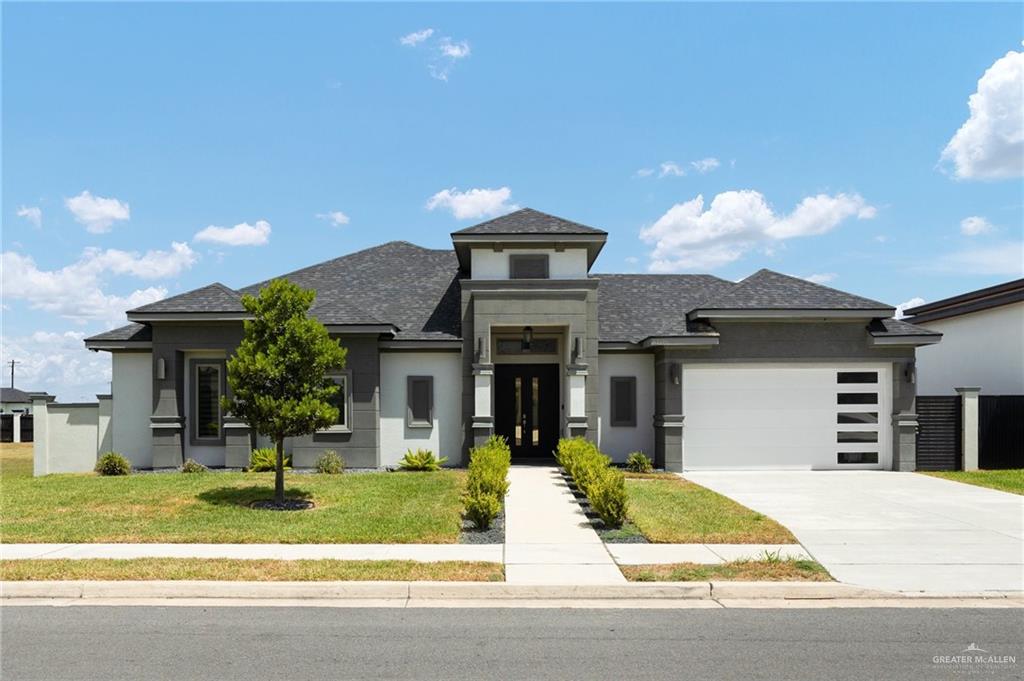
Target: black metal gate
<point x="939" y="437"/>
<point x="1001" y="431"/>
<point x="6" y="427"/>
<point x="27" y="427"/>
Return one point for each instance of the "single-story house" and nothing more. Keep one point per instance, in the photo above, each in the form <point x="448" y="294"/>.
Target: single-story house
<point x="14" y="401"/>
<point x="509" y="332"/>
<point x="982" y="341"/>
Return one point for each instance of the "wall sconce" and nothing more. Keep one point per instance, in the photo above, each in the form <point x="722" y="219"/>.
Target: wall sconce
<point x="673" y="373"/>
<point x="161" y="369"/>
<point x="527" y="338"/>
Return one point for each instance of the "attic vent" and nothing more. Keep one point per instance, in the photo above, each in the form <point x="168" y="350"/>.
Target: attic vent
<point x="528" y="266"/>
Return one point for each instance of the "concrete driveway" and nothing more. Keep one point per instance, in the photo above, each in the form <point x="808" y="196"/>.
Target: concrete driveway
<point x="893" y="531"/>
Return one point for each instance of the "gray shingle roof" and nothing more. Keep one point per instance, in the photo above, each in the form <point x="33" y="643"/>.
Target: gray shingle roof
<point x="529" y="221"/>
<point x="898" y="327"/>
<point x="632" y="307"/>
<point x="213" y="298"/>
<point x="768" y="290"/>
<point x="414" y="288"/>
<point x="131" y="332"/>
<point x="9" y="395"/>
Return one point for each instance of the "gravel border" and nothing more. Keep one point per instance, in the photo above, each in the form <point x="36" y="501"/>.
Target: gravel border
<point x="494" y="535"/>
<point x="607" y="534"/>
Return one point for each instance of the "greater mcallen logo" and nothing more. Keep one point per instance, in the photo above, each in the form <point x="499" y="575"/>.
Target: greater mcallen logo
<point x="973" y="658"/>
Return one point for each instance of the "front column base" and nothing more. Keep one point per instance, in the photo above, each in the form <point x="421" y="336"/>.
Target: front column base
<point x="237" y="443"/>
<point x="167" y="433"/>
<point x="904" y="426"/>
<point x="668" y="442"/>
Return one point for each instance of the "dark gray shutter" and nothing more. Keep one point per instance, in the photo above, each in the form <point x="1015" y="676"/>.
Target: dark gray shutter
<point x="528" y="266"/>
<point x="420" y="401"/>
<point x="623" y="401"/>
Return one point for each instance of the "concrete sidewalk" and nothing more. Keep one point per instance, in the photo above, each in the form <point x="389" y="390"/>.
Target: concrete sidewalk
<point x="492" y="553"/>
<point x="548" y="539"/>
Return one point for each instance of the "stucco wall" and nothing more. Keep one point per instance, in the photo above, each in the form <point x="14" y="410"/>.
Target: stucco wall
<point x="132" y="386"/>
<point x="445" y="436"/>
<point x="617" y="442"/>
<point x="568" y="264"/>
<point x="978" y="350"/>
<point x="68" y="442"/>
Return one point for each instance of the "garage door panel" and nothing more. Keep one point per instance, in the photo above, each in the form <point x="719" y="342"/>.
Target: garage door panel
<point x="760" y="416"/>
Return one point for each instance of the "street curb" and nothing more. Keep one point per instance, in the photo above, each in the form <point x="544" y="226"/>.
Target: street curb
<point x="469" y="591"/>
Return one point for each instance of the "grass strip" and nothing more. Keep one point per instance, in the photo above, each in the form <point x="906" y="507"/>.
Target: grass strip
<point x="739" y="570"/>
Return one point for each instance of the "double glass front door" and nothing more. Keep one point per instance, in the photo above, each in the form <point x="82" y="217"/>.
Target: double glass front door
<point x="526" y="405"/>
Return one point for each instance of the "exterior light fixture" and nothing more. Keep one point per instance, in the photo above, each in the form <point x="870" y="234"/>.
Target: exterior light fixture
<point x="527" y="338"/>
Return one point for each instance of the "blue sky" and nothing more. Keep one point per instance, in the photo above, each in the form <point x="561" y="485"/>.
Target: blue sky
<point x="151" y="149"/>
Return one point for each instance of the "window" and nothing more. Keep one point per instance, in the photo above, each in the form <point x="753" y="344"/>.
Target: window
<point x="528" y="266"/>
<point x="623" y="401"/>
<point x="858" y="457"/>
<point x="857" y="377"/>
<point x="420" y="402"/>
<point x="343" y="402"/>
<point x="858" y="398"/>
<point x="857" y="436"/>
<point x="207" y="386"/>
<point x="857" y="417"/>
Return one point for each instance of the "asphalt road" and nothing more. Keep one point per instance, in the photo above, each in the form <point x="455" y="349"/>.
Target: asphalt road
<point x="179" y="643"/>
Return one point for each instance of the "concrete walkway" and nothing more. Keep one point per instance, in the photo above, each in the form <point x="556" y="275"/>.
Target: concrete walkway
<point x="548" y="539"/>
<point x="891" y="531"/>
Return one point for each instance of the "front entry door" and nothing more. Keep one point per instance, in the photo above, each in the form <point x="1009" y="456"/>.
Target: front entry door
<point x="526" y="406"/>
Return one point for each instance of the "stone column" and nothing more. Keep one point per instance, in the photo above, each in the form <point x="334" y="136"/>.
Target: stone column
<point x="104" y="425"/>
<point x="41" y="436"/>
<point x="237" y="442"/>
<point x="576" y="417"/>
<point x="904" y="456"/>
<point x="969" y="405"/>
<point x="482" y="423"/>
<point x="668" y="412"/>
<point x="16" y="425"/>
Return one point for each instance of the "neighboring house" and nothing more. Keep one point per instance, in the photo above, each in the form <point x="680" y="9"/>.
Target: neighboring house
<point x="982" y="342"/>
<point x="14" y="401"/>
<point x="509" y="333"/>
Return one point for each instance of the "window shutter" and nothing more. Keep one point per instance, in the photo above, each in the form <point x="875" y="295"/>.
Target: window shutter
<point x="623" y="401"/>
<point x="420" y="401"/>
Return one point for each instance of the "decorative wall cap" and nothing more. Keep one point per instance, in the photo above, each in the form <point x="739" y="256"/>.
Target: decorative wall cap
<point x="964" y="391"/>
<point x="668" y="420"/>
<point x="576" y="369"/>
<point x="483" y="369"/>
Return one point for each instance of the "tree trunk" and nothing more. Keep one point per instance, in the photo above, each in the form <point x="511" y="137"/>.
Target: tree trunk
<point x="279" y="473"/>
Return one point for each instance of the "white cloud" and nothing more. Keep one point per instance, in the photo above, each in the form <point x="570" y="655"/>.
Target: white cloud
<point x="473" y="203"/>
<point x="671" y="168"/>
<point x="75" y="291"/>
<point x="97" y="213"/>
<point x="459" y="50"/>
<point x="632" y="259"/>
<point x="975" y="225"/>
<point x="688" y="236"/>
<point x="705" y="165"/>
<point x="1004" y="259"/>
<point x="59" y="364"/>
<point x="242" y="234"/>
<point x="33" y="214"/>
<point x="416" y="37"/>
<point x="645" y="172"/>
<point x="445" y="57"/>
<point x="990" y="145"/>
<point x="822" y="278"/>
<point x="913" y="302"/>
<point x="335" y="217"/>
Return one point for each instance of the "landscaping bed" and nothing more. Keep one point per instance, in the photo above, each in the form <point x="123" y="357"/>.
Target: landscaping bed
<point x="370" y="508"/>
<point x="739" y="570"/>
<point x="1010" y="480"/>
<point x="223" y="569"/>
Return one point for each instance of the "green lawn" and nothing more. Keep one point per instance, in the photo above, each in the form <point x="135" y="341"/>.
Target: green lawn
<point x="223" y="569"/>
<point x="212" y="508"/>
<point x="1009" y="480"/>
<point x="15" y="460"/>
<point x="739" y="570"/>
<point x="669" y="510"/>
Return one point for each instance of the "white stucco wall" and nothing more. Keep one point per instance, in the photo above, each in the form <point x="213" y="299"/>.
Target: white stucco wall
<point x="71" y="439"/>
<point x="445" y="436"/>
<point x="132" y="391"/>
<point x="568" y="264"/>
<point x="618" y="442"/>
<point x="978" y="350"/>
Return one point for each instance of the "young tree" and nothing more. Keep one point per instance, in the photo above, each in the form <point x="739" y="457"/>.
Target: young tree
<point x="279" y="373"/>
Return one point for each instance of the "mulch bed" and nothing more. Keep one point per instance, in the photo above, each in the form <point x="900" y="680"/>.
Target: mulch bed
<point x="287" y="505"/>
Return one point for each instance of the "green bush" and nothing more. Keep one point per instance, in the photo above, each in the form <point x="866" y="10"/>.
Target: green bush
<point x="193" y="466"/>
<point x="112" y="463"/>
<point x="638" y="462"/>
<point x="482" y="508"/>
<point x="330" y="463"/>
<point x="421" y="460"/>
<point x="607" y="496"/>
<point x="265" y="459"/>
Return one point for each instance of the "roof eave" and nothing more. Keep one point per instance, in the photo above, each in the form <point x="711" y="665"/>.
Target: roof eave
<point x="141" y="317"/>
<point x="463" y="242"/>
<point x="792" y="313"/>
<point x="114" y="346"/>
<point x="689" y="341"/>
<point x="917" y="340"/>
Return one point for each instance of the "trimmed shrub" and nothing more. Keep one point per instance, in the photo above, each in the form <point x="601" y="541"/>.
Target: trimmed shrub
<point x="265" y="459"/>
<point x="330" y="463"/>
<point x="607" y="496"/>
<point x="112" y="463"/>
<point x="193" y="466"/>
<point x="421" y="460"/>
<point x="482" y="508"/>
<point x="638" y="462"/>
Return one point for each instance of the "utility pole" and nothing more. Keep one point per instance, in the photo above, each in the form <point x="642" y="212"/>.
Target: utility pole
<point x="12" y="363"/>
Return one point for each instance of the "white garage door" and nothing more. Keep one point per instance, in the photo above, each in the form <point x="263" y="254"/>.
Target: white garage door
<point x="777" y="416"/>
